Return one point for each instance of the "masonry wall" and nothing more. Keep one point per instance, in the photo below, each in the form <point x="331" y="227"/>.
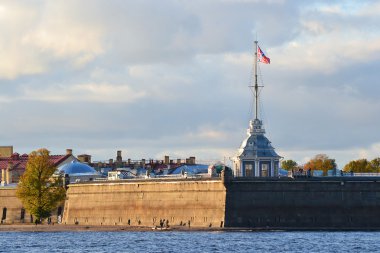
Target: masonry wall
<point x="319" y="203"/>
<point x="145" y="203"/>
<point x="14" y="208"/>
<point x="264" y="203"/>
<point x="12" y="204"/>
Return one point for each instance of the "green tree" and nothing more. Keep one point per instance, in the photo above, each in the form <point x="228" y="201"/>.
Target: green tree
<point x="374" y="165"/>
<point x="321" y="162"/>
<point x="288" y="165"/>
<point x="39" y="191"/>
<point x="360" y="165"/>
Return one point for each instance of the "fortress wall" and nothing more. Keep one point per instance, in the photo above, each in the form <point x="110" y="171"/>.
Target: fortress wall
<point x="12" y="204"/>
<point x="144" y="203"/>
<point x="338" y="203"/>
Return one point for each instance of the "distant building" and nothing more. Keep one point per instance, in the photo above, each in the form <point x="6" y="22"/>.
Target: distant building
<point x="256" y="156"/>
<point x="128" y="168"/>
<point x="6" y="151"/>
<point x="13" y="166"/>
<point x="78" y="172"/>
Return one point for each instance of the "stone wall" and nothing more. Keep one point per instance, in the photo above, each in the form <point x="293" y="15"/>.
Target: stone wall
<point x="12" y="205"/>
<point x="309" y="203"/>
<point x="265" y="203"/>
<point x="145" y="203"/>
<point x="15" y="213"/>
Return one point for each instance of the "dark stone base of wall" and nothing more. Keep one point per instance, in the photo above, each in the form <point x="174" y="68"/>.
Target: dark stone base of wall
<point x="317" y="203"/>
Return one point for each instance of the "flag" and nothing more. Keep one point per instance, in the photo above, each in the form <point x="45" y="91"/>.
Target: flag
<point x="261" y="56"/>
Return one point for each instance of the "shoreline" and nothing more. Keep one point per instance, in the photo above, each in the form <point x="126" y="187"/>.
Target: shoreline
<point x="120" y="228"/>
<point x="96" y="228"/>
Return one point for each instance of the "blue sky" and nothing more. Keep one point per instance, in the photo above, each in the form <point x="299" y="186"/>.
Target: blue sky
<point x="152" y="78"/>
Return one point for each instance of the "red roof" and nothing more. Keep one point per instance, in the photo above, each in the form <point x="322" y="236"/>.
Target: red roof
<point x="19" y="162"/>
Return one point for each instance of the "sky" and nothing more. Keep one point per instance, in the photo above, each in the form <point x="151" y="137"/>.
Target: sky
<point x="170" y="77"/>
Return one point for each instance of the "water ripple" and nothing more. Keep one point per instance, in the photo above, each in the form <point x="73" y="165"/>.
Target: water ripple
<point x="172" y="241"/>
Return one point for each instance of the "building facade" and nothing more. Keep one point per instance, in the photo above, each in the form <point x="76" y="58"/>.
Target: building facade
<point x="256" y="156"/>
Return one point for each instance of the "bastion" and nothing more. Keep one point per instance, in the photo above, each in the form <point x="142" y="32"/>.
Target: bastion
<point x="264" y="203"/>
<point x="196" y="202"/>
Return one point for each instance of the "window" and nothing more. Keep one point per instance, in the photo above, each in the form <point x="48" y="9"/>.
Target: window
<point x="249" y="170"/>
<point x="264" y="170"/>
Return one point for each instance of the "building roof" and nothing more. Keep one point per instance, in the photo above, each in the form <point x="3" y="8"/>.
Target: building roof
<point x="77" y="168"/>
<point x="191" y="169"/>
<point x="19" y="162"/>
<point x="256" y="144"/>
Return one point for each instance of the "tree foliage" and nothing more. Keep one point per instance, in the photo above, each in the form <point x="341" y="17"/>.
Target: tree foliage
<point x="374" y="165"/>
<point x="321" y="162"/>
<point x="38" y="190"/>
<point x="363" y="166"/>
<point x="289" y="165"/>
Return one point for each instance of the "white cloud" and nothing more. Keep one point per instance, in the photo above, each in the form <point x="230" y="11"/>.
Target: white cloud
<point x="64" y="39"/>
<point x="184" y="67"/>
<point x="205" y="134"/>
<point x="90" y="92"/>
<point x="326" y="55"/>
<point x="37" y="35"/>
<point x="17" y="58"/>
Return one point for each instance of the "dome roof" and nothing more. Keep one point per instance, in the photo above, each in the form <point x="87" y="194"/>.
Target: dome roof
<point x="76" y="167"/>
<point x="256" y="144"/>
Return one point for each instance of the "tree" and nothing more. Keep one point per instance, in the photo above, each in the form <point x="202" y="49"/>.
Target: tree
<point x="288" y="165"/>
<point x="363" y="165"/>
<point x="321" y="162"/>
<point x="39" y="191"/>
<point x="360" y="165"/>
<point x="374" y="165"/>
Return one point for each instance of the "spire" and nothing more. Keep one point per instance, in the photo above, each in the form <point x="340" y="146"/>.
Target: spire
<point x="256" y="125"/>
<point x="256" y="85"/>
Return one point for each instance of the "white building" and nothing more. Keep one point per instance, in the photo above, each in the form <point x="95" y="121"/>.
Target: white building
<point x="256" y="156"/>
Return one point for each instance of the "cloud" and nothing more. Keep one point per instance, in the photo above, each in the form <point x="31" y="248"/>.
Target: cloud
<point x="152" y="78"/>
<point x="42" y="34"/>
<point x="91" y="92"/>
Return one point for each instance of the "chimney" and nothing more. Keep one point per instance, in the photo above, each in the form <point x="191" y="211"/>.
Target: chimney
<point x="166" y="159"/>
<point x="69" y="151"/>
<point x="143" y="163"/>
<point x="192" y="159"/>
<point x="84" y="158"/>
<point x="119" y="157"/>
<point x="178" y="161"/>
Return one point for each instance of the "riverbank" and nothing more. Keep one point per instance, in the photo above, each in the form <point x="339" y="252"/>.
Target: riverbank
<point x="120" y="228"/>
<point x="71" y="228"/>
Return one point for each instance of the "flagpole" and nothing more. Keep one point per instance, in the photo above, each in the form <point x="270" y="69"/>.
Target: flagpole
<point x="256" y="85"/>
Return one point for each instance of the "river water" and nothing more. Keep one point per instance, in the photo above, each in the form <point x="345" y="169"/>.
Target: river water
<point x="170" y="241"/>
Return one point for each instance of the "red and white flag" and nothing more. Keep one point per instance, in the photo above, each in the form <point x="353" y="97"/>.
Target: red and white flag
<point x="261" y="56"/>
